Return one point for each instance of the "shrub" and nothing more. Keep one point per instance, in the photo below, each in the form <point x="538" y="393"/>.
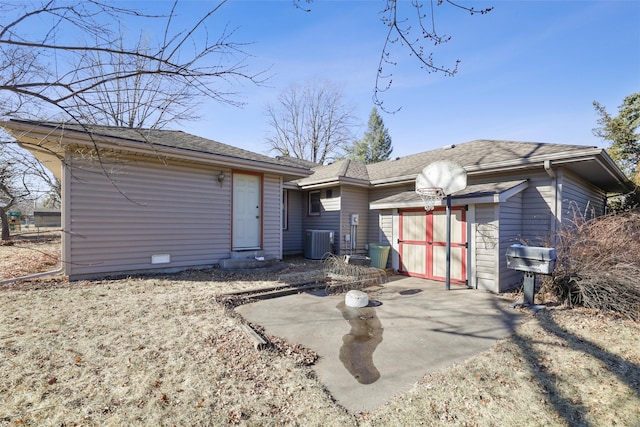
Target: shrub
<point x="598" y="264"/>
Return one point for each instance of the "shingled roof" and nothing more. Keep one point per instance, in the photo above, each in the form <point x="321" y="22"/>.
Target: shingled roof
<point x="475" y="155"/>
<point x="341" y="170"/>
<point x="160" y="138"/>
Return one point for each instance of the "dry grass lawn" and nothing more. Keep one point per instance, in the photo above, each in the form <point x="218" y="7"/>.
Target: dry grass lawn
<point x="163" y="350"/>
<point x="29" y="253"/>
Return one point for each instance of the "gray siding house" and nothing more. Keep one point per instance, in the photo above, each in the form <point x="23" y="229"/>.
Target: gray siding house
<point x="516" y="192"/>
<point x="150" y="200"/>
<point x="156" y="200"/>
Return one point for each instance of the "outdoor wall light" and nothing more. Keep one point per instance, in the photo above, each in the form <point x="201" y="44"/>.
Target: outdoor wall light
<point x="221" y="178"/>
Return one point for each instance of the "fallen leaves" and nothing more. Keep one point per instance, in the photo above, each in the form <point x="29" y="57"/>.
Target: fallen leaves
<point x="28" y="255"/>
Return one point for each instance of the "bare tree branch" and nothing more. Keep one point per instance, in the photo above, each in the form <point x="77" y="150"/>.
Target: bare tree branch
<point x="73" y="59"/>
<point x="413" y="33"/>
<point x="412" y="30"/>
<point x="188" y="58"/>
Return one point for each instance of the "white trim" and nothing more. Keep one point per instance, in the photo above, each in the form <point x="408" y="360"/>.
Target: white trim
<point x="472" y="278"/>
<point x="284" y="207"/>
<point x="456" y="201"/>
<point x="65" y="218"/>
<point x="395" y="235"/>
<point x="334" y="182"/>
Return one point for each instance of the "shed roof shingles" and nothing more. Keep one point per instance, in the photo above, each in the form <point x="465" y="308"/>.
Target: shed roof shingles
<point x="473" y="190"/>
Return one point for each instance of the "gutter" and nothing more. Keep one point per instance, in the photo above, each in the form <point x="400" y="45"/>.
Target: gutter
<point x="334" y="181"/>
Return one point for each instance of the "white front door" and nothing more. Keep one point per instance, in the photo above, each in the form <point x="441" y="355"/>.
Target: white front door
<point x="247" y="212"/>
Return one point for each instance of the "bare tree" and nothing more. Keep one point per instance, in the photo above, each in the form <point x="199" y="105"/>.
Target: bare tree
<point x="8" y="196"/>
<point x="42" y="65"/>
<point x="310" y="122"/>
<point x="412" y="25"/>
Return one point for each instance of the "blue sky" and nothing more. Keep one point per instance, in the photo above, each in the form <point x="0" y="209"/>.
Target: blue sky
<point x="529" y="70"/>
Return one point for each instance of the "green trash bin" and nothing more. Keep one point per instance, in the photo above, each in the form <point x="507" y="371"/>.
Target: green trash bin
<point x="379" y="254"/>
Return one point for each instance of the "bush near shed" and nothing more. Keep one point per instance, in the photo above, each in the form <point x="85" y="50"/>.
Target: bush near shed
<point x="598" y="264"/>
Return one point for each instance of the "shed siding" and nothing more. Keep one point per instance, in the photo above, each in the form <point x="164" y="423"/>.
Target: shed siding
<point x="117" y="222"/>
<point x="580" y="199"/>
<point x="538" y="209"/>
<point x="374" y="232"/>
<point x="293" y="235"/>
<point x="510" y="228"/>
<point x="387" y="224"/>
<point x="487" y="240"/>
<point x="386" y="227"/>
<point x="272" y="217"/>
<point x="380" y="222"/>
<point x="355" y="200"/>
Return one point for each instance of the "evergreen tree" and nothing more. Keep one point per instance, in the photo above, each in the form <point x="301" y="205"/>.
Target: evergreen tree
<point x="375" y="146"/>
<point x="623" y="133"/>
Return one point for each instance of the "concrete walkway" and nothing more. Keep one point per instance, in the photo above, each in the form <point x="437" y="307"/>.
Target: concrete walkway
<point x="412" y="326"/>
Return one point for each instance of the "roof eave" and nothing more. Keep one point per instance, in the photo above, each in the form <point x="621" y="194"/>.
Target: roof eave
<point x="333" y="182"/>
<point x="564" y="158"/>
<point x="457" y="200"/>
<point x="35" y="131"/>
<point x="384" y="182"/>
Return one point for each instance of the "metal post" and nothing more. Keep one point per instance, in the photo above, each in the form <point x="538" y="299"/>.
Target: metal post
<point x="448" y="244"/>
<point x="529" y="285"/>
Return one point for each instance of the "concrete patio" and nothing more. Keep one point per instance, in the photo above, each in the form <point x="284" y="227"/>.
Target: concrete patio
<point x="411" y="327"/>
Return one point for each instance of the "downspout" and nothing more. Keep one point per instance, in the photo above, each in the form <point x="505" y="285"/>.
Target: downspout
<point x="555" y="218"/>
<point x="31" y="276"/>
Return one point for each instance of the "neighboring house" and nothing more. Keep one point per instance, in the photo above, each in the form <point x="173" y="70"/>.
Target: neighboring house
<point x="166" y="200"/>
<point x="516" y="192"/>
<point x="47" y="218"/>
<point x="136" y="201"/>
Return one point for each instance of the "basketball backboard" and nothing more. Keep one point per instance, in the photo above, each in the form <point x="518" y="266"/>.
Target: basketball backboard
<point x="443" y="174"/>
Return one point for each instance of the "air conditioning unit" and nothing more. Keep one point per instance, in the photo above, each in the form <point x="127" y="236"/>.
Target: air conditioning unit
<point x="317" y="243"/>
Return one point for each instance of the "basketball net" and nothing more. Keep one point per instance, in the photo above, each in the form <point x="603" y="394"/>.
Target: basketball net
<point x="430" y="195"/>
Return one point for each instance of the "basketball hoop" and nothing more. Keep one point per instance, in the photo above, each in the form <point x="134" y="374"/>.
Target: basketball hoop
<point x="430" y="195"/>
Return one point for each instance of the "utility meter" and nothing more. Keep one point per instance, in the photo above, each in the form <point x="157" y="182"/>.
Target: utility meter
<point x="354" y="219"/>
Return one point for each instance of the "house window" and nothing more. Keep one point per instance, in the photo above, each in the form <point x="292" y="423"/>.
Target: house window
<point x="329" y="194"/>
<point x="314" y="203"/>
<point x="285" y="203"/>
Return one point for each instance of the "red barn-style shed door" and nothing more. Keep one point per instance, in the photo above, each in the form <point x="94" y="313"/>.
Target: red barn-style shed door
<point x="422" y="244"/>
